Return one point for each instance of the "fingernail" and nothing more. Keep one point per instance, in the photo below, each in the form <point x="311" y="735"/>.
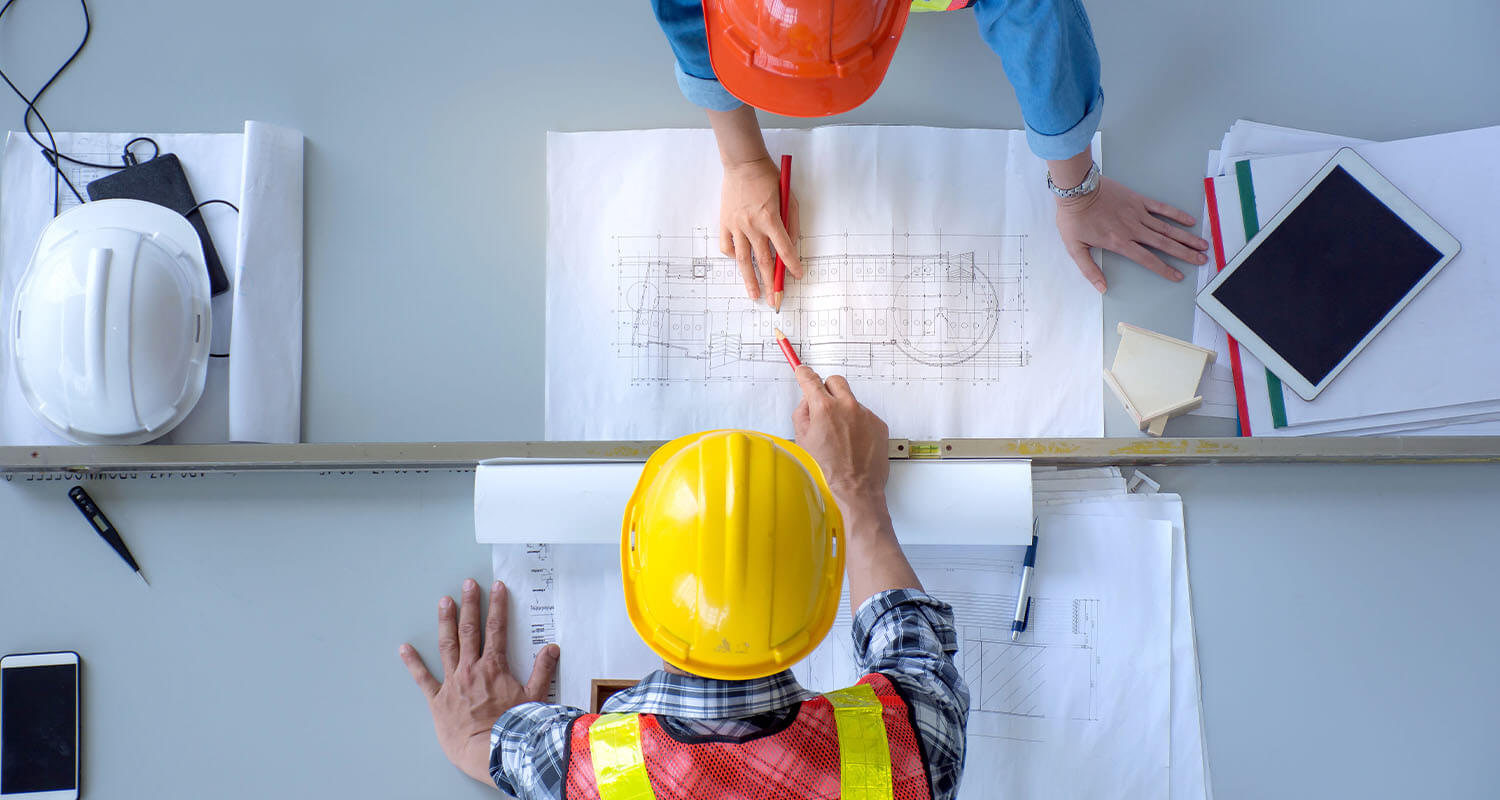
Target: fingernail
<point x="1100" y="286"/>
<point x="1176" y="276"/>
<point x="469" y="585"/>
<point x="403" y="649"/>
<point x="445" y="603"/>
<point x="1202" y="258"/>
<point x="495" y="588"/>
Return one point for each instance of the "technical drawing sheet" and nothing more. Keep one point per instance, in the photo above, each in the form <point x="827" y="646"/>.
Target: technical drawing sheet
<point x="1079" y="706"/>
<point x="571" y="594"/>
<point x="936" y="283"/>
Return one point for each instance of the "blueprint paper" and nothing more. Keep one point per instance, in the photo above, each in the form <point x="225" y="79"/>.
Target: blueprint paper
<point x="937" y="283"/>
<point x="216" y="164"/>
<point x="1189" y="759"/>
<point x="1079" y="707"/>
<point x="1085" y="715"/>
<point x="1135" y="568"/>
<point x="571" y="594"/>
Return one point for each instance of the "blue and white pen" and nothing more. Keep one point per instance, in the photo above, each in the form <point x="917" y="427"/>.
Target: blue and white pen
<point x="1023" y="597"/>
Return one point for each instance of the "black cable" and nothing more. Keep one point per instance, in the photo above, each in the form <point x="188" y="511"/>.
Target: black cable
<point x="195" y="208"/>
<point x="209" y="203"/>
<point x="49" y="148"/>
<point x="129" y="157"/>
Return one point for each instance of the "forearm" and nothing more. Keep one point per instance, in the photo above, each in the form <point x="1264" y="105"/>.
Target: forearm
<point x="738" y="135"/>
<point x="873" y="556"/>
<point x="1070" y="172"/>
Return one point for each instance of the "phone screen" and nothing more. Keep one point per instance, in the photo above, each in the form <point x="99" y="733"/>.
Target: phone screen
<point x="38" y="728"/>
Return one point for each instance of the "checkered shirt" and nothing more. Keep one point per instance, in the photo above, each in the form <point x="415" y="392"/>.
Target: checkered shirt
<point x="902" y="633"/>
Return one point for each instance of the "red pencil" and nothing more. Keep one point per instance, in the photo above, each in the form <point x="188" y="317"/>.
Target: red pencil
<point x="779" y="282"/>
<point x="786" y="349"/>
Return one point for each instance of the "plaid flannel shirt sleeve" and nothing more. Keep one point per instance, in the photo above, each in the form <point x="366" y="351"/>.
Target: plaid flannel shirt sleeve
<point x="908" y="636"/>
<point x="529" y="748"/>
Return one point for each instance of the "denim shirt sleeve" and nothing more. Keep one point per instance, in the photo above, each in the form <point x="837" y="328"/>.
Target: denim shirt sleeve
<point x="1047" y="50"/>
<point x="682" y="22"/>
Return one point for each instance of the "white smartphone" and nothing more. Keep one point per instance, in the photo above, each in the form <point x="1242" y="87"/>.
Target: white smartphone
<point x="39" y="726"/>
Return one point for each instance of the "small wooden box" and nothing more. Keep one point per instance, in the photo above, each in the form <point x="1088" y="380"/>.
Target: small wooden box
<point x="601" y="689"/>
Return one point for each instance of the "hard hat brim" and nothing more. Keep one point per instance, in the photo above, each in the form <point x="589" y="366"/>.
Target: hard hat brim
<point x="795" y="96"/>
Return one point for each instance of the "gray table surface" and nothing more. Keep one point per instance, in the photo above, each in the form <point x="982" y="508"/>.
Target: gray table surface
<point x="1344" y="613"/>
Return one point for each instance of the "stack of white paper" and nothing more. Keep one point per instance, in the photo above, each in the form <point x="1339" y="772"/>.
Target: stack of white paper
<point x="255" y="393"/>
<point x="1101" y="493"/>
<point x="1427" y="372"/>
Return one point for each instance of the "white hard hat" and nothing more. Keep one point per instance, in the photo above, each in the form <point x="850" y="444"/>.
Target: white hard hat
<point x="110" y="330"/>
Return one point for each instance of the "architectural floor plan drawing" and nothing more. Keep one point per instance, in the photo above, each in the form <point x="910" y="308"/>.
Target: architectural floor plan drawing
<point x="1020" y="690"/>
<point x="1052" y="672"/>
<point x="893" y="307"/>
<point x="1078" y="707"/>
<point x="936" y="283"/>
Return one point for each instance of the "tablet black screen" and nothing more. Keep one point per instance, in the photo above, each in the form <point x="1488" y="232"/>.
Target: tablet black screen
<point x="1327" y="275"/>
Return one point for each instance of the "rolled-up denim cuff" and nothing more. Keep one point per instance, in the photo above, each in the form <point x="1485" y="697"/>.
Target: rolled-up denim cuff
<point x="705" y="93"/>
<point x="1069" y="143"/>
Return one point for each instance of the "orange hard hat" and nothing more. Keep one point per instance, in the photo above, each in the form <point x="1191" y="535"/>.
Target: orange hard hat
<point x="803" y="58"/>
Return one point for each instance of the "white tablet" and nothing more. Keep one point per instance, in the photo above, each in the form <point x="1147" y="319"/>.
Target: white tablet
<point x="1322" y="277"/>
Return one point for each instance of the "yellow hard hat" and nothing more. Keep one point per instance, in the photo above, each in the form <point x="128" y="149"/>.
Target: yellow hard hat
<point x="732" y="554"/>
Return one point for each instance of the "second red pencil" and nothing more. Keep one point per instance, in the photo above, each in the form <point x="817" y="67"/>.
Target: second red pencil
<point x="786" y="349"/>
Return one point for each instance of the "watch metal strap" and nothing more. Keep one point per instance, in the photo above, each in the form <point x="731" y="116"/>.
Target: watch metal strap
<point x="1090" y="183"/>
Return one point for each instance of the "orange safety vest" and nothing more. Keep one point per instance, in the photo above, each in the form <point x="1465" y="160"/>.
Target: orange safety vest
<point x="856" y="743"/>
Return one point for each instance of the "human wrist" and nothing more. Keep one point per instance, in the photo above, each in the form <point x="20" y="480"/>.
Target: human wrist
<point x="474" y="759"/>
<point x="1069" y="172"/>
<point x="864" y="509"/>
<point x="738" y="135"/>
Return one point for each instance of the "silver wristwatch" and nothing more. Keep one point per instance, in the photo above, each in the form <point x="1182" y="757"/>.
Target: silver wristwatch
<point x="1090" y="183"/>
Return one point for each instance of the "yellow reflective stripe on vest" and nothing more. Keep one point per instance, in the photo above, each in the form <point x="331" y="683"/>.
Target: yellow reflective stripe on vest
<point x="864" y="752"/>
<point x="939" y="5"/>
<point x="619" y="763"/>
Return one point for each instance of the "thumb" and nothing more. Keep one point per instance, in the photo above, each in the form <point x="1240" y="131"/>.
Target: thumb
<point x="1085" y="261"/>
<point x="812" y="385"/>
<point x="542" y="673"/>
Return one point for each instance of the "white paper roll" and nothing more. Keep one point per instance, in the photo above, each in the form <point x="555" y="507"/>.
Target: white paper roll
<point x="932" y="502"/>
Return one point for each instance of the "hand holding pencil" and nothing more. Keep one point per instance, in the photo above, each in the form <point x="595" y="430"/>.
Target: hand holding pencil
<point x="751" y="229"/>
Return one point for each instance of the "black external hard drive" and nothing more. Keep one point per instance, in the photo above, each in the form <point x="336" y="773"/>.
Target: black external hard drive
<point x="162" y="181"/>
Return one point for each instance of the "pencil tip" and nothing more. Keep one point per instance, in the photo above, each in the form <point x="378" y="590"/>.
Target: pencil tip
<point x="778" y="333"/>
<point x="142" y="576"/>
